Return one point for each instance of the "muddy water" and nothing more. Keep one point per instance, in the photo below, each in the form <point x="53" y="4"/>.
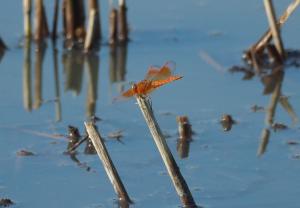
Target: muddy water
<point x="42" y="93"/>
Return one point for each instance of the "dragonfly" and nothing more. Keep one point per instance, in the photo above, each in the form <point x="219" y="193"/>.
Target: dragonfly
<point x="155" y="78"/>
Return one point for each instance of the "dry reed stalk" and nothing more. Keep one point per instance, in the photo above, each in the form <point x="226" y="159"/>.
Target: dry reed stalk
<point x="90" y="37"/>
<point x="267" y="36"/>
<point x="27" y="18"/>
<point x="55" y="19"/>
<point x="113" y="26"/>
<point x="123" y="26"/>
<point x="274" y="27"/>
<point x="38" y="36"/>
<point x="79" y="20"/>
<point x="108" y="165"/>
<point x="69" y="20"/>
<point x="184" y="128"/>
<point x="181" y="186"/>
<point x="94" y="5"/>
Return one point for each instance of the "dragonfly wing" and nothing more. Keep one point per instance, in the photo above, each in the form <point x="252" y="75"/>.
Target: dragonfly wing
<point x="159" y="83"/>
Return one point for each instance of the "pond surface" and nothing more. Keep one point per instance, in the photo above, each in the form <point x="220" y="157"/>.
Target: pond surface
<point x="41" y="94"/>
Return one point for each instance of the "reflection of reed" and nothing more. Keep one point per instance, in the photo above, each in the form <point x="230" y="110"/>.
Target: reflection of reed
<point x="39" y="57"/>
<point x="272" y="84"/>
<point x="277" y="75"/>
<point x="92" y="63"/>
<point x="73" y="68"/>
<point x="117" y="63"/>
<point x="289" y="109"/>
<point x="183" y="148"/>
<point x="27" y="96"/>
<point x="57" y="94"/>
<point x="264" y="142"/>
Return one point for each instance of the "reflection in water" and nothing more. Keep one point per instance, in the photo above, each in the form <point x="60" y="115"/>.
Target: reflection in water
<point x="263" y="142"/>
<point x="89" y="148"/>
<point x="39" y="57"/>
<point x="57" y="92"/>
<point x="27" y="96"/>
<point x="183" y="148"/>
<point x="274" y="86"/>
<point x="92" y="65"/>
<point x="270" y="68"/>
<point x="117" y="64"/>
<point x="73" y="61"/>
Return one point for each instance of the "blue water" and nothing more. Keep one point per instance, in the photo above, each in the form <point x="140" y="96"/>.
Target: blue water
<point x="222" y="169"/>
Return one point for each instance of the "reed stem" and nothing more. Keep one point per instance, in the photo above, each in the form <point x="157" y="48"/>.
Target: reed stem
<point x="108" y="165"/>
<point x="274" y="27"/>
<point x="181" y="186"/>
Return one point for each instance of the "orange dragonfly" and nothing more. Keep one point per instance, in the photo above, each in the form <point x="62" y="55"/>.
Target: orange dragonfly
<point x="155" y="78"/>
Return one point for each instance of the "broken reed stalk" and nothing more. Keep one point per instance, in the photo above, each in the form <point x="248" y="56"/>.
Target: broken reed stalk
<point x="181" y="186"/>
<point x="38" y="36"/>
<point x="274" y="27"/>
<point x="41" y="25"/>
<point x="123" y="26"/>
<point x="73" y="22"/>
<point x="68" y="19"/>
<point x="108" y="165"/>
<point x="27" y="18"/>
<point x="55" y="19"/>
<point x="94" y="5"/>
<point x="260" y="44"/>
<point x="113" y="26"/>
<point x="89" y="40"/>
<point x="184" y="128"/>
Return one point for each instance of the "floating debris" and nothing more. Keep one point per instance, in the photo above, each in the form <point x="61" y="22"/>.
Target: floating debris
<point x="116" y="135"/>
<point x="256" y="108"/>
<point x="95" y="119"/>
<point x="73" y="136"/>
<point x="89" y="148"/>
<point x="5" y="202"/>
<point x="227" y="122"/>
<point x="296" y="156"/>
<point x="24" y="153"/>
<point x="279" y="126"/>
<point x="292" y="142"/>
